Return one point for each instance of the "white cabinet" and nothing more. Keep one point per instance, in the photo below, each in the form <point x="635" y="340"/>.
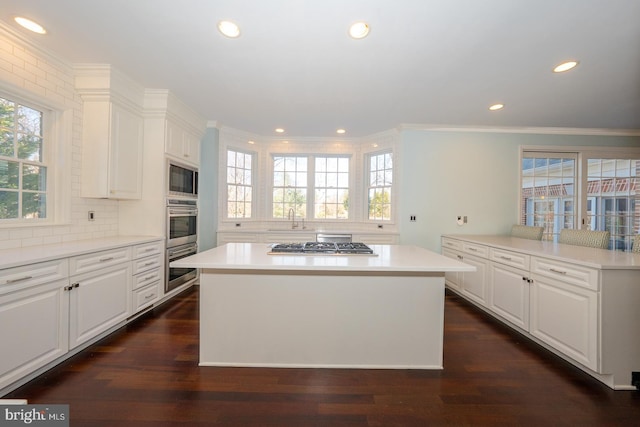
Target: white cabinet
<point x="111" y="152"/>
<point x="509" y="282"/>
<point x="564" y="308"/>
<point x="182" y="144"/>
<point x="34" y="307"/>
<point x="473" y="284"/>
<point x="509" y="294"/>
<point x="100" y="294"/>
<point x="452" y="278"/>
<point x="580" y="303"/>
<point x="147" y="275"/>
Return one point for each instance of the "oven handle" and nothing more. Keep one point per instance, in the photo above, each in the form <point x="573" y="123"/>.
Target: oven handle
<point x="182" y="212"/>
<point x="181" y="251"/>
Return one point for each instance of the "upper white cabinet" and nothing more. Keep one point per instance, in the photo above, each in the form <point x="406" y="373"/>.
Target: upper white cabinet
<point x="112" y="133"/>
<point x="182" y="144"/>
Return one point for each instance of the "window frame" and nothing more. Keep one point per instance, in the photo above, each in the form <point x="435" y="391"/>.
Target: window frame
<point x="310" y="187"/>
<point x="583" y="154"/>
<point x="252" y="186"/>
<point x="52" y="210"/>
<point x="366" y="185"/>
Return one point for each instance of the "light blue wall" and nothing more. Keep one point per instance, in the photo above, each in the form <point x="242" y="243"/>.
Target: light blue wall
<point x="446" y="174"/>
<point x="208" y="190"/>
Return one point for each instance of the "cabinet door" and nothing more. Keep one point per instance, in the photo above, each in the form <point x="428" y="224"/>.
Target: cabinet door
<point x="34" y="329"/>
<point x="125" y="164"/>
<point x="565" y="317"/>
<point x="191" y="148"/>
<point x="474" y="284"/>
<point x="99" y="301"/>
<point x="509" y="294"/>
<point x="452" y="278"/>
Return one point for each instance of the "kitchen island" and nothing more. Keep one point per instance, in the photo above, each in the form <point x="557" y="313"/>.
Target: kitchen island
<point x="327" y="311"/>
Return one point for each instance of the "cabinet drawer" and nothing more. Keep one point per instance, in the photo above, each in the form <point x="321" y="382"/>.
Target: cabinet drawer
<point x="569" y="273"/>
<point x="147" y="249"/>
<point x="97" y="260"/>
<point x="148" y="263"/>
<point x="143" y="279"/>
<point x="25" y="276"/>
<point x="473" y="249"/>
<point x="144" y="297"/>
<point x="513" y="259"/>
<point x="451" y="244"/>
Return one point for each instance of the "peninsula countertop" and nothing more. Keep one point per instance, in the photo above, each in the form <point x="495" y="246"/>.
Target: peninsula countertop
<point x="386" y="258"/>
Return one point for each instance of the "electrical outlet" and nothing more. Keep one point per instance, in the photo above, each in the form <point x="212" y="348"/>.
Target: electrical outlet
<point x="380" y="226"/>
<point x="412" y="218"/>
<point x="91" y="215"/>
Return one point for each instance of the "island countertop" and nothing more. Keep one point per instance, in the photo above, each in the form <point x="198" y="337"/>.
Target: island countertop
<point x="386" y="258"/>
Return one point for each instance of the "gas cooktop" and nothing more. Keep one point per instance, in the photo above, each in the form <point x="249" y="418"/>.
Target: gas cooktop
<point x="311" y="248"/>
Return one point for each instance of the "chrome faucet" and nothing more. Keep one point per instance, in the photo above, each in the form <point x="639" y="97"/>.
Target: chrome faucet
<point x="292" y="217"/>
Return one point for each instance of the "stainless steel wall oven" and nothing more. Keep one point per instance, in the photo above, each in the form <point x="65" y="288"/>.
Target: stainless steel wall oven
<point x="182" y="222"/>
<point x="182" y="235"/>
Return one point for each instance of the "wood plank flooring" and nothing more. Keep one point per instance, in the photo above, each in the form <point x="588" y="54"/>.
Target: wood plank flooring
<point x="146" y="374"/>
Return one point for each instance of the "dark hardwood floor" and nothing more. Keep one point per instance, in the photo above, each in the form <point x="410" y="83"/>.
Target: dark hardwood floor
<point x="146" y="374"/>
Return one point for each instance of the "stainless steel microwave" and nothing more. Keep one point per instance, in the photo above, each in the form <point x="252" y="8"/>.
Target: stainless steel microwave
<point x="183" y="180"/>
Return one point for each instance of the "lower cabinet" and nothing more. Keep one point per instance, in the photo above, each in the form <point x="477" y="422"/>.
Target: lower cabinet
<point x="580" y="303"/>
<point x="98" y="301"/>
<point x="509" y="294"/>
<point x="52" y="307"/>
<point x="566" y="317"/>
<point x="474" y="284"/>
<point x="34" y="330"/>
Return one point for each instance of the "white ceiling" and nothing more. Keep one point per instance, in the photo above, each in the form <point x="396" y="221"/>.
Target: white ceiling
<point x="431" y="62"/>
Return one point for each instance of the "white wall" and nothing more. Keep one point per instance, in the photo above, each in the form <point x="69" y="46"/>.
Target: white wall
<point x="446" y="174"/>
<point x="39" y="77"/>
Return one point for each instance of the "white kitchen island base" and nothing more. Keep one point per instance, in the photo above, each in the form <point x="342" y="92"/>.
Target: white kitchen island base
<point x="322" y="311"/>
<point x="321" y="320"/>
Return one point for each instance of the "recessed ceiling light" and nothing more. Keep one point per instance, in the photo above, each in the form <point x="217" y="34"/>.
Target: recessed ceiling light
<point x="30" y="25"/>
<point x="229" y="29"/>
<point x="279" y="130"/>
<point x="341" y="131"/>
<point x="565" y="66"/>
<point x="251" y="142"/>
<point x="359" y="30"/>
<point x="496" y="107"/>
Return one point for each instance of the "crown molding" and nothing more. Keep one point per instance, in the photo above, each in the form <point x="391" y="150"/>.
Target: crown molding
<point x="522" y="130"/>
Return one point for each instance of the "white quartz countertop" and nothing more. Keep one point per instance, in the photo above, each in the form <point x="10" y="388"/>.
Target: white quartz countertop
<point x="591" y="257"/>
<point x="33" y="254"/>
<point x="387" y="258"/>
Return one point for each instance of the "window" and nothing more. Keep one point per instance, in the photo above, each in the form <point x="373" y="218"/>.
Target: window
<point x="239" y="184"/>
<point x="331" y="198"/>
<point x="290" y="176"/>
<point x="548" y="191"/>
<point x="23" y="171"/>
<point x="380" y="182"/>
<point x="585" y="189"/>
<point x="612" y="199"/>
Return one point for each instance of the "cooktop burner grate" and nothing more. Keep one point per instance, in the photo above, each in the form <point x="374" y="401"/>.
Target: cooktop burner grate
<point x="321" y="248"/>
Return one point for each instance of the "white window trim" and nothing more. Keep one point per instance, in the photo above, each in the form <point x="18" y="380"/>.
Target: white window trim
<point x="57" y="156"/>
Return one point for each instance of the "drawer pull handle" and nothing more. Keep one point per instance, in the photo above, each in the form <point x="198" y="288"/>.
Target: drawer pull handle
<point x="459" y="256"/>
<point x="557" y="271"/>
<point x="473" y="249"/>
<point x="149" y="277"/>
<point x="19" y="279"/>
<point x="106" y="259"/>
<point x="150" y="249"/>
<point x="508" y="258"/>
<point x="150" y="296"/>
<point x="149" y="263"/>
